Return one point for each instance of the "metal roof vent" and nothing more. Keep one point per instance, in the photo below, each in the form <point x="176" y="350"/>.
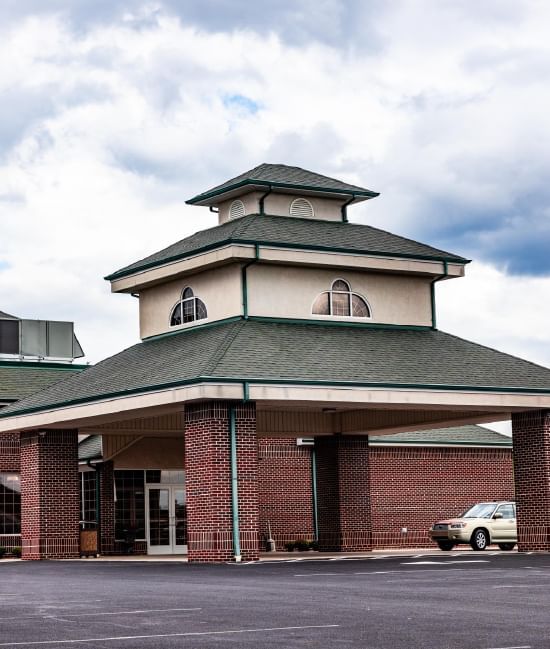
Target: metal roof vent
<point x="301" y="208"/>
<point x="236" y="210"/>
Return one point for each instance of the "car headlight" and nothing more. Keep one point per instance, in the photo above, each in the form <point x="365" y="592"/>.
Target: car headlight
<point x="458" y="526"/>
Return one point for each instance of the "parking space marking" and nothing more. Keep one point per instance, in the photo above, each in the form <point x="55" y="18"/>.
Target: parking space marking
<point x="187" y="634"/>
<point x="525" y="646"/>
<point x="152" y="610"/>
<point x="442" y="563"/>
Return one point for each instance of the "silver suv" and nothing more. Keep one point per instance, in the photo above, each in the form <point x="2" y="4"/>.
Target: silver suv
<point x="481" y="525"/>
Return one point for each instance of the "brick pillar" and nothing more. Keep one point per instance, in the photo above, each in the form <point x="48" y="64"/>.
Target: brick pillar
<point x="208" y="481"/>
<point x="50" y="494"/>
<point x="531" y="437"/>
<point x="107" y="508"/>
<point x="343" y="494"/>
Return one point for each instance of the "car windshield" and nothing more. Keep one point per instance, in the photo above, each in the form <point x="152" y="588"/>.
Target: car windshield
<point x="481" y="510"/>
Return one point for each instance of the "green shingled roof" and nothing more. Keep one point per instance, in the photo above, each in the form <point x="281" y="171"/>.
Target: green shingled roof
<point x="284" y="177"/>
<point x="255" y="350"/>
<point x="19" y="379"/>
<point x="7" y="316"/>
<point x="287" y="232"/>
<point x="90" y="448"/>
<point x="456" y="435"/>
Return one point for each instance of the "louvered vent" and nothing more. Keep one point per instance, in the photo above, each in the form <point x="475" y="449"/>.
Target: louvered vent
<point x="236" y="210"/>
<point x="302" y="208"/>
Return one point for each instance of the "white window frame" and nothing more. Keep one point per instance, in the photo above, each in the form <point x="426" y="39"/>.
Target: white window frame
<point x="350" y="293"/>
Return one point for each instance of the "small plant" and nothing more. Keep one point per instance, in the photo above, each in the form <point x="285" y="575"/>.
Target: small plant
<point x="16" y="551"/>
<point x="2" y="551"/>
<point x="302" y="545"/>
<point x="290" y="546"/>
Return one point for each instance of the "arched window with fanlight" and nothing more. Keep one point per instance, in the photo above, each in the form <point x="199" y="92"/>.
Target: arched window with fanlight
<point x="341" y="302"/>
<point x="188" y="309"/>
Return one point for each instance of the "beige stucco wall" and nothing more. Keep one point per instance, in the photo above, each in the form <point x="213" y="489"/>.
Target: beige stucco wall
<point x="219" y="289"/>
<point x="153" y="453"/>
<point x="289" y="292"/>
<point x="279" y="205"/>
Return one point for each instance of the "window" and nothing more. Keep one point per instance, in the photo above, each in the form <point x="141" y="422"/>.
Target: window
<point x="188" y="309"/>
<point x="236" y="209"/>
<point x="88" y="499"/>
<point x="129" y="504"/>
<point x="10" y="503"/>
<point x="302" y="208"/>
<point x="340" y="301"/>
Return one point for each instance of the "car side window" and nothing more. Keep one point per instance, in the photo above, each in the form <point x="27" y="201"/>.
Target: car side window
<point x="507" y="511"/>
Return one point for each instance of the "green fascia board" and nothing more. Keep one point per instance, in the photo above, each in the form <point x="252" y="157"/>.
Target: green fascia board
<point x="367" y="193"/>
<point x="404" y="442"/>
<point x="48" y="365"/>
<point x="283" y="246"/>
<point x="247" y="381"/>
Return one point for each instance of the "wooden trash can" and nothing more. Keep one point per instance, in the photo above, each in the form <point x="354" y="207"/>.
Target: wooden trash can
<point x="88" y="543"/>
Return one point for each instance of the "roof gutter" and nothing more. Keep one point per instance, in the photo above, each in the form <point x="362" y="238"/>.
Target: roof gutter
<point x="262" y="199"/>
<point x="432" y="291"/>
<point x="344" y="209"/>
<point x="244" y="280"/>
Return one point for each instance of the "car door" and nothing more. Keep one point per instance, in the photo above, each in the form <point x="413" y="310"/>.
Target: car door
<point x="504" y="529"/>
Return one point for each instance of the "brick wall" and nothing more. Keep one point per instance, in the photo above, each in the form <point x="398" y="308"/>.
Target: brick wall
<point x="107" y="508"/>
<point x="343" y="493"/>
<point x="208" y="481"/>
<point x="284" y="471"/>
<point x="412" y="487"/>
<point x="531" y="434"/>
<point x="50" y="495"/>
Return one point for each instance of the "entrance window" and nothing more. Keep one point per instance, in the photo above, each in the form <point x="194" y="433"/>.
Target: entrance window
<point x="165" y="477"/>
<point x="130" y="504"/>
<point x="10" y="503"/>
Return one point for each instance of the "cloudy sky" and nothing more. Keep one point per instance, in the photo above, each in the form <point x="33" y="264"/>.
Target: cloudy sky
<point x="114" y="112"/>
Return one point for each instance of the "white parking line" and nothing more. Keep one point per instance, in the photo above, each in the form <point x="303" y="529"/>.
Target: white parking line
<point x="152" y="610"/>
<point x="442" y="563"/>
<point x="167" y="635"/>
<point x="525" y="646"/>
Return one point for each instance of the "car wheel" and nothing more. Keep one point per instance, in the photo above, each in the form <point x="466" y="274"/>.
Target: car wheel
<point x="445" y="545"/>
<point x="479" y="540"/>
<point x="507" y="546"/>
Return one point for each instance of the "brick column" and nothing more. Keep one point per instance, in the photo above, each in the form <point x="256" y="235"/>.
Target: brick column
<point x="50" y="494"/>
<point x="208" y="481"/>
<point x="531" y="437"/>
<point x="107" y="508"/>
<point x="343" y="494"/>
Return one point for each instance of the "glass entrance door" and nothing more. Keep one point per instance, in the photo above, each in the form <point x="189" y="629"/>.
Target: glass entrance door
<point x="166" y="519"/>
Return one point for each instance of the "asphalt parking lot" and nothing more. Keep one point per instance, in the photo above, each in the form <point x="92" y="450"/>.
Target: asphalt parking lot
<point x="487" y="600"/>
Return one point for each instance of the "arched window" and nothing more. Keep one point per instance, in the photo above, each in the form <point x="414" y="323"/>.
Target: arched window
<point x="236" y="209"/>
<point x="341" y="301"/>
<point x="188" y="309"/>
<point x="302" y="208"/>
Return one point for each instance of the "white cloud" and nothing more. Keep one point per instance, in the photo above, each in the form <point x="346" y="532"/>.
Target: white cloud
<point x="113" y="125"/>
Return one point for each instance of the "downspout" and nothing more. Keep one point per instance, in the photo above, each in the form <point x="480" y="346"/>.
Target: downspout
<point x="432" y="291"/>
<point x="262" y="199"/>
<point x="344" y="208"/>
<point x="314" y="502"/>
<point x="234" y="484"/>
<point x="244" y="282"/>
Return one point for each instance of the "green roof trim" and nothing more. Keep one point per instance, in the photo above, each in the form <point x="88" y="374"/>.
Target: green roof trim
<point x="49" y="365"/>
<point x="252" y="352"/>
<point x="284" y="177"/>
<point x="292" y="233"/>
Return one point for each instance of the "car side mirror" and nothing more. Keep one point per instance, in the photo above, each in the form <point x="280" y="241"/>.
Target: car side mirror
<point x="498" y="515"/>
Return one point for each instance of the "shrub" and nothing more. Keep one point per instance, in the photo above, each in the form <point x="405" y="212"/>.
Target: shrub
<point x="289" y="547"/>
<point x="2" y="551"/>
<point x="302" y="545"/>
<point x="16" y="551"/>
